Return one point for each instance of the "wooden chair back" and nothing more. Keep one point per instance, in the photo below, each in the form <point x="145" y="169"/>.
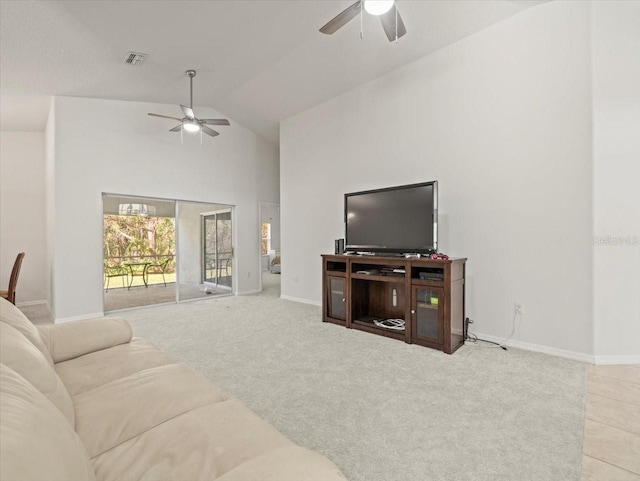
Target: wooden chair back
<point x="13" y="280"/>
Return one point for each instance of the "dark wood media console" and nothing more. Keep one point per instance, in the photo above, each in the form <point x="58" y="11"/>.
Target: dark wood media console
<point x="358" y="290"/>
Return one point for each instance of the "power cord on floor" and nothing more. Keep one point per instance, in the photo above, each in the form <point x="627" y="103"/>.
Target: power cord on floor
<point x="474" y="339"/>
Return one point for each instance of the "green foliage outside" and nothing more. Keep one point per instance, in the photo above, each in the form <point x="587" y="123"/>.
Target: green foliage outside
<point x="138" y="239"/>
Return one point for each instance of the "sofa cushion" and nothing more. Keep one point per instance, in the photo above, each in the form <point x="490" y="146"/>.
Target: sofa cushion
<point x="100" y="367"/>
<point x="13" y="316"/>
<point x="24" y="358"/>
<point x="119" y="410"/>
<point x="291" y="463"/>
<point x="201" y="444"/>
<point x="36" y="441"/>
<point x="73" y="339"/>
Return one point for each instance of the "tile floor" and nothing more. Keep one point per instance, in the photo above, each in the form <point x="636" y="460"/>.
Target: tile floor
<point x="611" y="446"/>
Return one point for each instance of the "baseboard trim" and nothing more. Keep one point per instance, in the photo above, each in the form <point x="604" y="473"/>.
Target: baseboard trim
<point x="246" y="293"/>
<point x="575" y="356"/>
<point x="608" y="360"/>
<point x="301" y="300"/>
<point x="60" y="320"/>
<point x="32" y="303"/>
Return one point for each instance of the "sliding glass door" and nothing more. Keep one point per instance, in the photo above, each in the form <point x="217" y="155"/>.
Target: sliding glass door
<point x="139" y="262"/>
<point x="159" y="251"/>
<point x="217" y="246"/>
<point x="205" y="251"/>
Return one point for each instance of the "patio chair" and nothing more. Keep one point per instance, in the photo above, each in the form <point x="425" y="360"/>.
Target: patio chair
<point x="158" y="268"/>
<point x="115" y="270"/>
<point x="224" y="263"/>
<point x="10" y="293"/>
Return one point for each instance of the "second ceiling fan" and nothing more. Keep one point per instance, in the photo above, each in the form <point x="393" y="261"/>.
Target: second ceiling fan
<point x="385" y="9"/>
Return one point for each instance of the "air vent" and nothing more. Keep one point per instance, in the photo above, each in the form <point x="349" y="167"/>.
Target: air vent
<point x="134" y="58"/>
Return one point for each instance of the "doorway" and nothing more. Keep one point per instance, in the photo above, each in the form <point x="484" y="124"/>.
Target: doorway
<point x="270" y="253"/>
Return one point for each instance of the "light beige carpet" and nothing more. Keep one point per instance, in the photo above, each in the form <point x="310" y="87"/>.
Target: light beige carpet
<point x="383" y="410"/>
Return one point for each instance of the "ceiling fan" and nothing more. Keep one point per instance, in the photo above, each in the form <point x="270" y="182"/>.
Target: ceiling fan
<point x="190" y="122"/>
<point x="385" y="9"/>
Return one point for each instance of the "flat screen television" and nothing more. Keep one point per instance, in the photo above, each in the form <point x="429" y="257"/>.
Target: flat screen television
<point x="401" y="219"/>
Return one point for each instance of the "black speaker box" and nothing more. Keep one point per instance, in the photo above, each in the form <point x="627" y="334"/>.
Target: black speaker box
<point x="339" y="246"/>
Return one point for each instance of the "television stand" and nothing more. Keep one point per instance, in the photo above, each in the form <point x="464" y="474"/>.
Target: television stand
<point x="428" y="294"/>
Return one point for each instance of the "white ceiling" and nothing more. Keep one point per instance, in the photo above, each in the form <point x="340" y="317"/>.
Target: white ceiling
<point x="258" y="62"/>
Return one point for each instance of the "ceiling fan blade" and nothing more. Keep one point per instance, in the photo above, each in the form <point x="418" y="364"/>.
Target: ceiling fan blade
<point x="214" y="121"/>
<point x="188" y="112"/>
<point x="342" y="19"/>
<point x="177" y="128"/>
<point x="209" y="131"/>
<point x="166" y="117"/>
<point x="389" y="24"/>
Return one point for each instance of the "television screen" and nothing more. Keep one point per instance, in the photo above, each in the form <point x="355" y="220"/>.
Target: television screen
<point x="398" y="219"/>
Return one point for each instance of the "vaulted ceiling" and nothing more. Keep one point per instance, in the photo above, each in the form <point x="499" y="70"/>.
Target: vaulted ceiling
<point x="258" y="62"/>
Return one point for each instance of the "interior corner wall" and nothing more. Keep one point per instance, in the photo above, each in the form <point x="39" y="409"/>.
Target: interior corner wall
<point x="113" y="146"/>
<point x="49" y="192"/>
<point x="267" y="175"/>
<point x="616" y="204"/>
<point x="22" y="212"/>
<point x="502" y="119"/>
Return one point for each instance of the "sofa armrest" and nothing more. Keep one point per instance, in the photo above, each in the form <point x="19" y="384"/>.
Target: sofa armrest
<point x="76" y="338"/>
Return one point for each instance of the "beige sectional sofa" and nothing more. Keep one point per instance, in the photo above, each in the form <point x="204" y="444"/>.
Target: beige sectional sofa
<point x="84" y="400"/>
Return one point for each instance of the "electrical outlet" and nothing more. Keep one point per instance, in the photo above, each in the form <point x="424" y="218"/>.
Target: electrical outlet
<point x="519" y="308"/>
<point x="249" y="275"/>
<point x="296" y="279"/>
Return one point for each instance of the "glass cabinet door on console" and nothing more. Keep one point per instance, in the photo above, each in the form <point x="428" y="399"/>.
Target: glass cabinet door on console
<point x="337" y="298"/>
<point x="426" y="314"/>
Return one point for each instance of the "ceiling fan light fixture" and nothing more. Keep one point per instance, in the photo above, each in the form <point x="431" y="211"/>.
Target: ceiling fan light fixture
<point x="190" y="122"/>
<point x="378" y="7"/>
<point x="191" y="126"/>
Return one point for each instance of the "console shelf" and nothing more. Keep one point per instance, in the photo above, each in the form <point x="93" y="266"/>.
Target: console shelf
<point x="373" y="277"/>
<point x="360" y="289"/>
<point x="369" y="326"/>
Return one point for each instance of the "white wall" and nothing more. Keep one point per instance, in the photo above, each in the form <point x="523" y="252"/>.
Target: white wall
<point x="616" y="204"/>
<point x="113" y="146"/>
<point x="502" y="120"/>
<point x="22" y="212"/>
